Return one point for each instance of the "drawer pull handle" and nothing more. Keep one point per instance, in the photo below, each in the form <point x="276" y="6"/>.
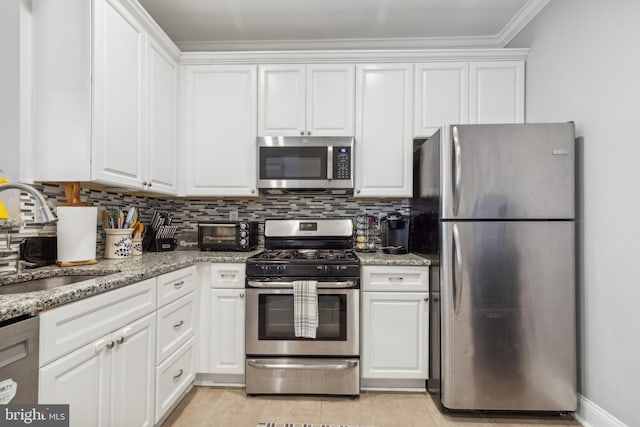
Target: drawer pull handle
<point x="110" y="345"/>
<point x="120" y="340"/>
<point x="225" y="276"/>
<point x="179" y="284"/>
<point x="177" y="325"/>
<point x="395" y="279"/>
<point x="178" y="375"/>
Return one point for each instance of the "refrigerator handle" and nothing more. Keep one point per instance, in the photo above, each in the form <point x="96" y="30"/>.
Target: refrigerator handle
<point x="456" y="171"/>
<point x="457" y="269"/>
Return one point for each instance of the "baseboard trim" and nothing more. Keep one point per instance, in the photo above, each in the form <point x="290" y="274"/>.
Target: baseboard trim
<point x="591" y="415"/>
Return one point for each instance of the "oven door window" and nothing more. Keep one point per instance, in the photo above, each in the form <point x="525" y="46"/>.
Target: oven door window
<point x="293" y="163"/>
<point x="219" y="234"/>
<point x="276" y="317"/>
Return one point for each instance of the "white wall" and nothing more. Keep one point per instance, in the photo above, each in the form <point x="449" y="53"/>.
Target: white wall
<point x="9" y="88"/>
<point x="584" y="65"/>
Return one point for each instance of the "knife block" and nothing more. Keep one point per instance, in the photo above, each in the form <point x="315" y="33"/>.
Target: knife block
<point x="163" y="244"/>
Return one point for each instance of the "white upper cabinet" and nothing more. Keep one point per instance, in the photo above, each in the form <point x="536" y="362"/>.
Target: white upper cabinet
<point x="383" y="137"/>
<point x="220" y="130"/>
<point x="496" y="92"/>
<point x="330" y="99"/>
<point x="118" y="95"/>
<point x="442" y="96"/>
<point x="316" y="100"/>
<point x="160" y="153"/>
<point x="105" y="90"/>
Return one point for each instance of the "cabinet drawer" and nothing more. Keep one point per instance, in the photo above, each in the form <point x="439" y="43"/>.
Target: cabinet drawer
<point x="173" y="377"/>
<point x="397" y="279"/>
<point x="64" y="329"/>
<point x="172" y="286"/>
<point x="227" y="275"/>
<point x="176" y="323"/>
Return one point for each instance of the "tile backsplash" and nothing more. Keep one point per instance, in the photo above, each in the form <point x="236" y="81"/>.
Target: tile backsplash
<point x="187" y="212"/>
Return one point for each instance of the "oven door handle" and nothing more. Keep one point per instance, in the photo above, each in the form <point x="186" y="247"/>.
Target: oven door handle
<point x="334" y="367"/>
<point x="289" y="285"/>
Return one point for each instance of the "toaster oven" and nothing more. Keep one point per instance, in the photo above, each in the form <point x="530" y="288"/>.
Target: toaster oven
<point x="227" y="235"/>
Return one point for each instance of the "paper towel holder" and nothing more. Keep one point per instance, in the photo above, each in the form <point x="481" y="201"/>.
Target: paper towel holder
<point x="72" y="192"/>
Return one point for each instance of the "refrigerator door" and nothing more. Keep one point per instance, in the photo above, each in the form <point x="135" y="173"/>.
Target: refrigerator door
<point x="508" y="316"/>
<point x="510" y="171"/>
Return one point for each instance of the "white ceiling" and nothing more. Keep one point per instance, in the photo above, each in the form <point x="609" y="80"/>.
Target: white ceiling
<point x="211" y="25"/>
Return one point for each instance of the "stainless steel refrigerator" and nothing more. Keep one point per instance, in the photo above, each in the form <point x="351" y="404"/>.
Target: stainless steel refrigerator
<point x="495" y="206"/>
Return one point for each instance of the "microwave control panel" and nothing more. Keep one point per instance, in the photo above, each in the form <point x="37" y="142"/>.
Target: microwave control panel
<point x="341" y="162"/>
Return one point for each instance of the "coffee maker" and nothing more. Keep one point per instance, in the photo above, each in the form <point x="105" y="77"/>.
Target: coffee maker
<point x="394" y="233"/>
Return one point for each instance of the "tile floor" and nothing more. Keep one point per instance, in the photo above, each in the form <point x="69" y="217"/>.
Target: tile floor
<point x="230" y="407"/>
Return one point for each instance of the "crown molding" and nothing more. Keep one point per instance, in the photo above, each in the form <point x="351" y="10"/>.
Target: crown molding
<point x="153" y="28"/>
<point x="339" y="44"/>
<point x="351" y="56"/>
<point x="520" y="20"/>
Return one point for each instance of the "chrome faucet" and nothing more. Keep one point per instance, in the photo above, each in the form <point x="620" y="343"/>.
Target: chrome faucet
<point x="43" y="212"/>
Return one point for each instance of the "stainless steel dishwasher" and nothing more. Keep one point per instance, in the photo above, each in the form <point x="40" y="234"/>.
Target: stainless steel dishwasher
<point x="19" y="361"/>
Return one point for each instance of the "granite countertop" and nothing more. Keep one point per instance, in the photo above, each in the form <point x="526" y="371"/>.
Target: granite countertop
<point x="380" y="258"/>
<point x="110" y="274"/>
<point x="113" y="274"/>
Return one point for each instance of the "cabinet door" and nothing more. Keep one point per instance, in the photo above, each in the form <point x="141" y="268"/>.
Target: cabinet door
<point x="133" y="373"/>
<point x="160" y="153"/>
<point x="221" y="130"/>
<point x="394" y="335"/>
<point x="226" y="344"/>
<point x="383" y="149"/>
<point x="442" y="96"/>
<point x="496" y="92"/>
<point x="330" y="100"/>
<point x="118" y="96"/>
<point x="80" y="379"/>
<point x="281" y="100"/>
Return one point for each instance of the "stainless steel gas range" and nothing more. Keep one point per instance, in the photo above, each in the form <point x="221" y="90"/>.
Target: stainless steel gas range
<point x="277" y="360"/>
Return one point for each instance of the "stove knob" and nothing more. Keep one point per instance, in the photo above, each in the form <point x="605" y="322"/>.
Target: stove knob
<point x="243" y="225"/>
<point x="281" y="269"/>
<point x="243" y="242"/>
<point x="243" y="234"/>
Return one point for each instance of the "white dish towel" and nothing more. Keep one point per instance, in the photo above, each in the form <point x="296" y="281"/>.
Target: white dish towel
<point x="305" y="308"/>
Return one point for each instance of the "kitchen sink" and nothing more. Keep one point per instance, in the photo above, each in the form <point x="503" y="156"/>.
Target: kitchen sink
<point x="44" y="284"/>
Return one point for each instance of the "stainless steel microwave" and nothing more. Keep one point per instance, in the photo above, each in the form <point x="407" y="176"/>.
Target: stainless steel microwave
<point x="305" y="163"/>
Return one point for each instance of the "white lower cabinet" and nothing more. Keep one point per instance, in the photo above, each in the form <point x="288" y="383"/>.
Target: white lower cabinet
<point x="394" y="327"/>
<point x="108" y="382"/>
<point x="226" y="345"/>
<point x="226" y="321"/>
<point x="173" y="378"/>
<point x="175" y="350"/>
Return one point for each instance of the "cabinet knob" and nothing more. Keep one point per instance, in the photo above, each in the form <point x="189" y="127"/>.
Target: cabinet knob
<point x="144" y="184"/>
<point x="150" y="184"/>
<point x="308" y="132"/>
<point x="110" y="345"/>
<point x="120" y="340"/>
<point x="358" y="191"/>
<point x="301" y="132"/>
<point x="242" y="295"/>
<point x="426" y="299"/>
<point x="253" y="190"/>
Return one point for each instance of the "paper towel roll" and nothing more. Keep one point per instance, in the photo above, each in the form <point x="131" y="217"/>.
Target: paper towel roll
<point x="77" y="228"/>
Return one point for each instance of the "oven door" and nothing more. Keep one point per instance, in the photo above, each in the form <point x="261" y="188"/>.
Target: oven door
<point x="221" y="236"/>
<point x="270" y="323"/>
